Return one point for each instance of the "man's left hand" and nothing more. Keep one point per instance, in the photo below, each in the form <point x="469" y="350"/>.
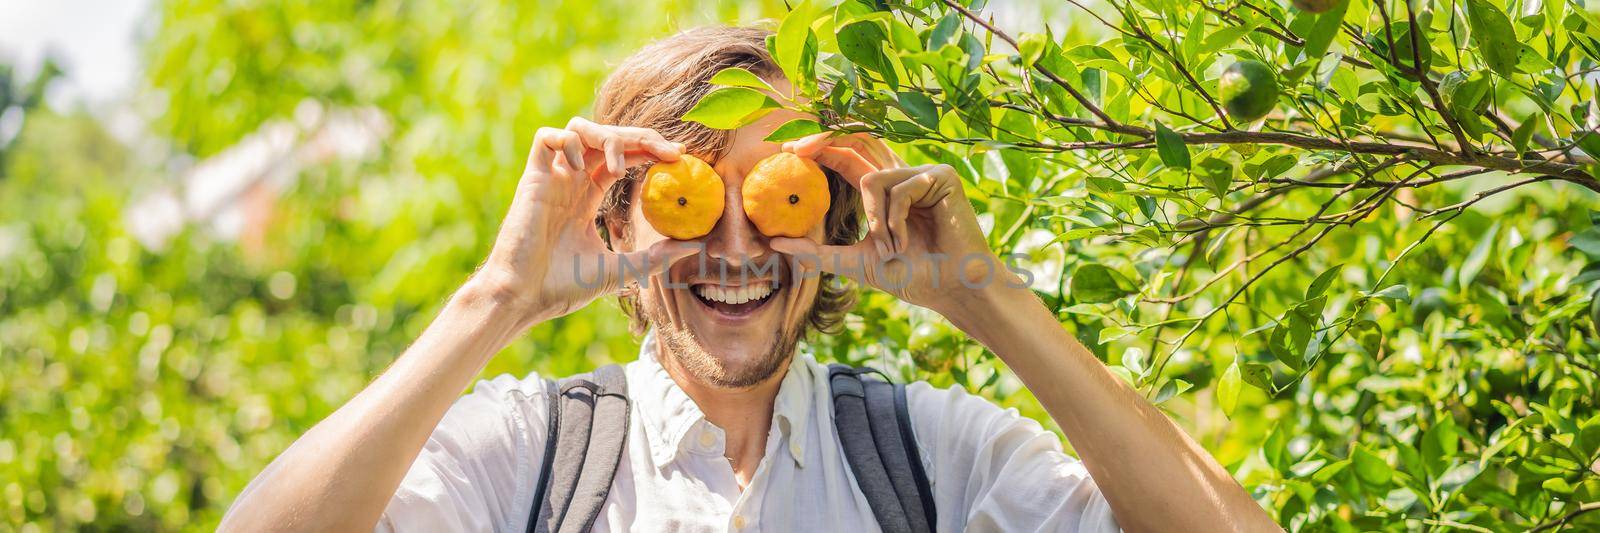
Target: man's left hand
<point x="923" y="243"/>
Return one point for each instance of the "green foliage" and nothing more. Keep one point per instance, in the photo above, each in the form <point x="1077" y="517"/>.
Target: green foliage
<point x="141" y="389"/>
<point x="1388" y="267"/>
<point x="1376" y="304"/>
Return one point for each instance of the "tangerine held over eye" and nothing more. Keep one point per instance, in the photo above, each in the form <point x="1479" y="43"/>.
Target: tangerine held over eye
<point x="682" y="199"/>
<point x="785" y="195"/>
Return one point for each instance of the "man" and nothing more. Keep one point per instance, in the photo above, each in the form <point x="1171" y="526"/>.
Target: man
<point x="730" y="428"/>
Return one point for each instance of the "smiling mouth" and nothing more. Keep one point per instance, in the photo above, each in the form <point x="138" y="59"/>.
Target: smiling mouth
<point x="734" y="300"/>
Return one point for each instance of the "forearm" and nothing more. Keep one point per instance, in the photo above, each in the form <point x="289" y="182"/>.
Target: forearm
<point x="341" y="474"/>
<point x="1155" y="477"/>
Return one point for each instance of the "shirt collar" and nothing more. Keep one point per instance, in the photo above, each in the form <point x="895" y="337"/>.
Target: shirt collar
<point x="668" y="414"/>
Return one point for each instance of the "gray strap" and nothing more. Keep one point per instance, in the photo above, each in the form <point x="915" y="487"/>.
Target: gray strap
<point x="589" y="436"/>
<point x="887" y="433"/>
<point x="919" y="476"/>
<point x="876" y="448"/>
<point x="541" y="503"/>
<point x="607" y="441"/>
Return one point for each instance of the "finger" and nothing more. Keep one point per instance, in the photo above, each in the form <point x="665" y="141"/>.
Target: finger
<point x="913" y="191"/>
<point x="572" y="150"/>
<point x="615" y="163"/>
<point x="563" y="167"/>
<point x="874" y="204"/>
<point x="594" y="138"/>
<point x="875" y="198"/>
<point x="809" y="145"/>
<point x="553" y="145"/>
<point x="663" y="149"/>
<point x="879" y="151"/>
<point x="632" y="139"/>
<point x="850" y="164"/>
<point x="546" y="142"/>
<point x="870" y="149"/>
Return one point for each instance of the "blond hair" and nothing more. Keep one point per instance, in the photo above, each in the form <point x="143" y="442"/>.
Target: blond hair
<point x="655" y="86"/>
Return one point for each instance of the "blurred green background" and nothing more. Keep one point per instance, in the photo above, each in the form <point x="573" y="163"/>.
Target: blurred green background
<point x="325" y="174"/>
<point x="304" y="183"/>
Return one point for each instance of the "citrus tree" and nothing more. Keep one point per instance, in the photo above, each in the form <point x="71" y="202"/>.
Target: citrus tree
<point x="1367" y="220"/>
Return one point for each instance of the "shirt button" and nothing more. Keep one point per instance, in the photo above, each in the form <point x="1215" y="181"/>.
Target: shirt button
<point x="707" y="439"/>
<point x="738" y="521"/>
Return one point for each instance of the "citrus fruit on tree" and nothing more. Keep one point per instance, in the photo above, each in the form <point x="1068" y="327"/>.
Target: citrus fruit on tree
<point x="682" y="199"/>
<point x="1315" y="6"/>
<point x="1249" y="90"/>
<point x="785" y="195"/>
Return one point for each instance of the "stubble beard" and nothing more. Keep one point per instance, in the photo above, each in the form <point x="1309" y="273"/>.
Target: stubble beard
<point x="686" y="352"/>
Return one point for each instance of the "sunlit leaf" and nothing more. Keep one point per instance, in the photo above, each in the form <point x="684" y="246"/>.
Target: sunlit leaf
<point x="729" y="108"/>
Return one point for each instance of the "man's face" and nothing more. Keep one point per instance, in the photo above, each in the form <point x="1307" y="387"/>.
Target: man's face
<point x="736" y="311"/>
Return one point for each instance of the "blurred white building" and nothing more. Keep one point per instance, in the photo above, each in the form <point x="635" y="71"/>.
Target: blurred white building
<point x="233" y="192"/>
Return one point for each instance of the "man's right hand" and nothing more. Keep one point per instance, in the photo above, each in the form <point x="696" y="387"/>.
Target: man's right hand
<point x="548" y="259"/>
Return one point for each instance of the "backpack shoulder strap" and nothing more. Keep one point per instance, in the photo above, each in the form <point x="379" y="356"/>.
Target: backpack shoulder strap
<point x="588" y="432"/>
<point x="874" y="425"/>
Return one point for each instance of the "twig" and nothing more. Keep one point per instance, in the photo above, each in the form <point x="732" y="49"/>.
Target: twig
<point x="1076" y="95"/>
<point x="1427" y="85"/>
<point x="1562" y="521"/>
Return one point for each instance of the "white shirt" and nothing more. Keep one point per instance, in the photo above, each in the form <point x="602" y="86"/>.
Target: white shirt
<point x="990" y="469"/>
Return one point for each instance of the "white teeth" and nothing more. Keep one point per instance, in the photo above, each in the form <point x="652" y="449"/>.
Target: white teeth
<point x="733" y="295"/>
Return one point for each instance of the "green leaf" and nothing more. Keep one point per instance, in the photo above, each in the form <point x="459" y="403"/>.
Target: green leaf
<point x="1521" y="136"/>
<point x="862" y="43"/>
<point x="1587" y="241"/>
<point x="1217" y="175"/>
<point x="1496" y="40"/>
<point x="1223" y="38"/>
<point x="794" y="129"/>
<point x="1228" y="389"/>
<point x="1171" y="148"/>
<point x="1323" y="29"/>
<point x="739" y="77"/>
<point x="1477" y="257"/>
<point x="788" y="44"/>
<point x="1369" y="336"/>
<point x="1258" y="375"/>
<point x="1097" y="283"/>
<point x="1275" y="449"/>
<point x="1590" y="142"/>
<point x="1439" y="445"/>
<point x="1170" y="389"/>
<point x="920" y="108"/>
<point x="945" y="31"/>
<point x="1284" y="343"/>
<point x="729" y="108"/>
<point x="1271" y="167"/>
<point x="1371" y="469"/>
<point x="1320" y="285"/>
<point x="1398" y="293"/>
<point x="1588" y="439"/>
<point x="1031" y="47"/>
<point x="1133" y="359"/>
